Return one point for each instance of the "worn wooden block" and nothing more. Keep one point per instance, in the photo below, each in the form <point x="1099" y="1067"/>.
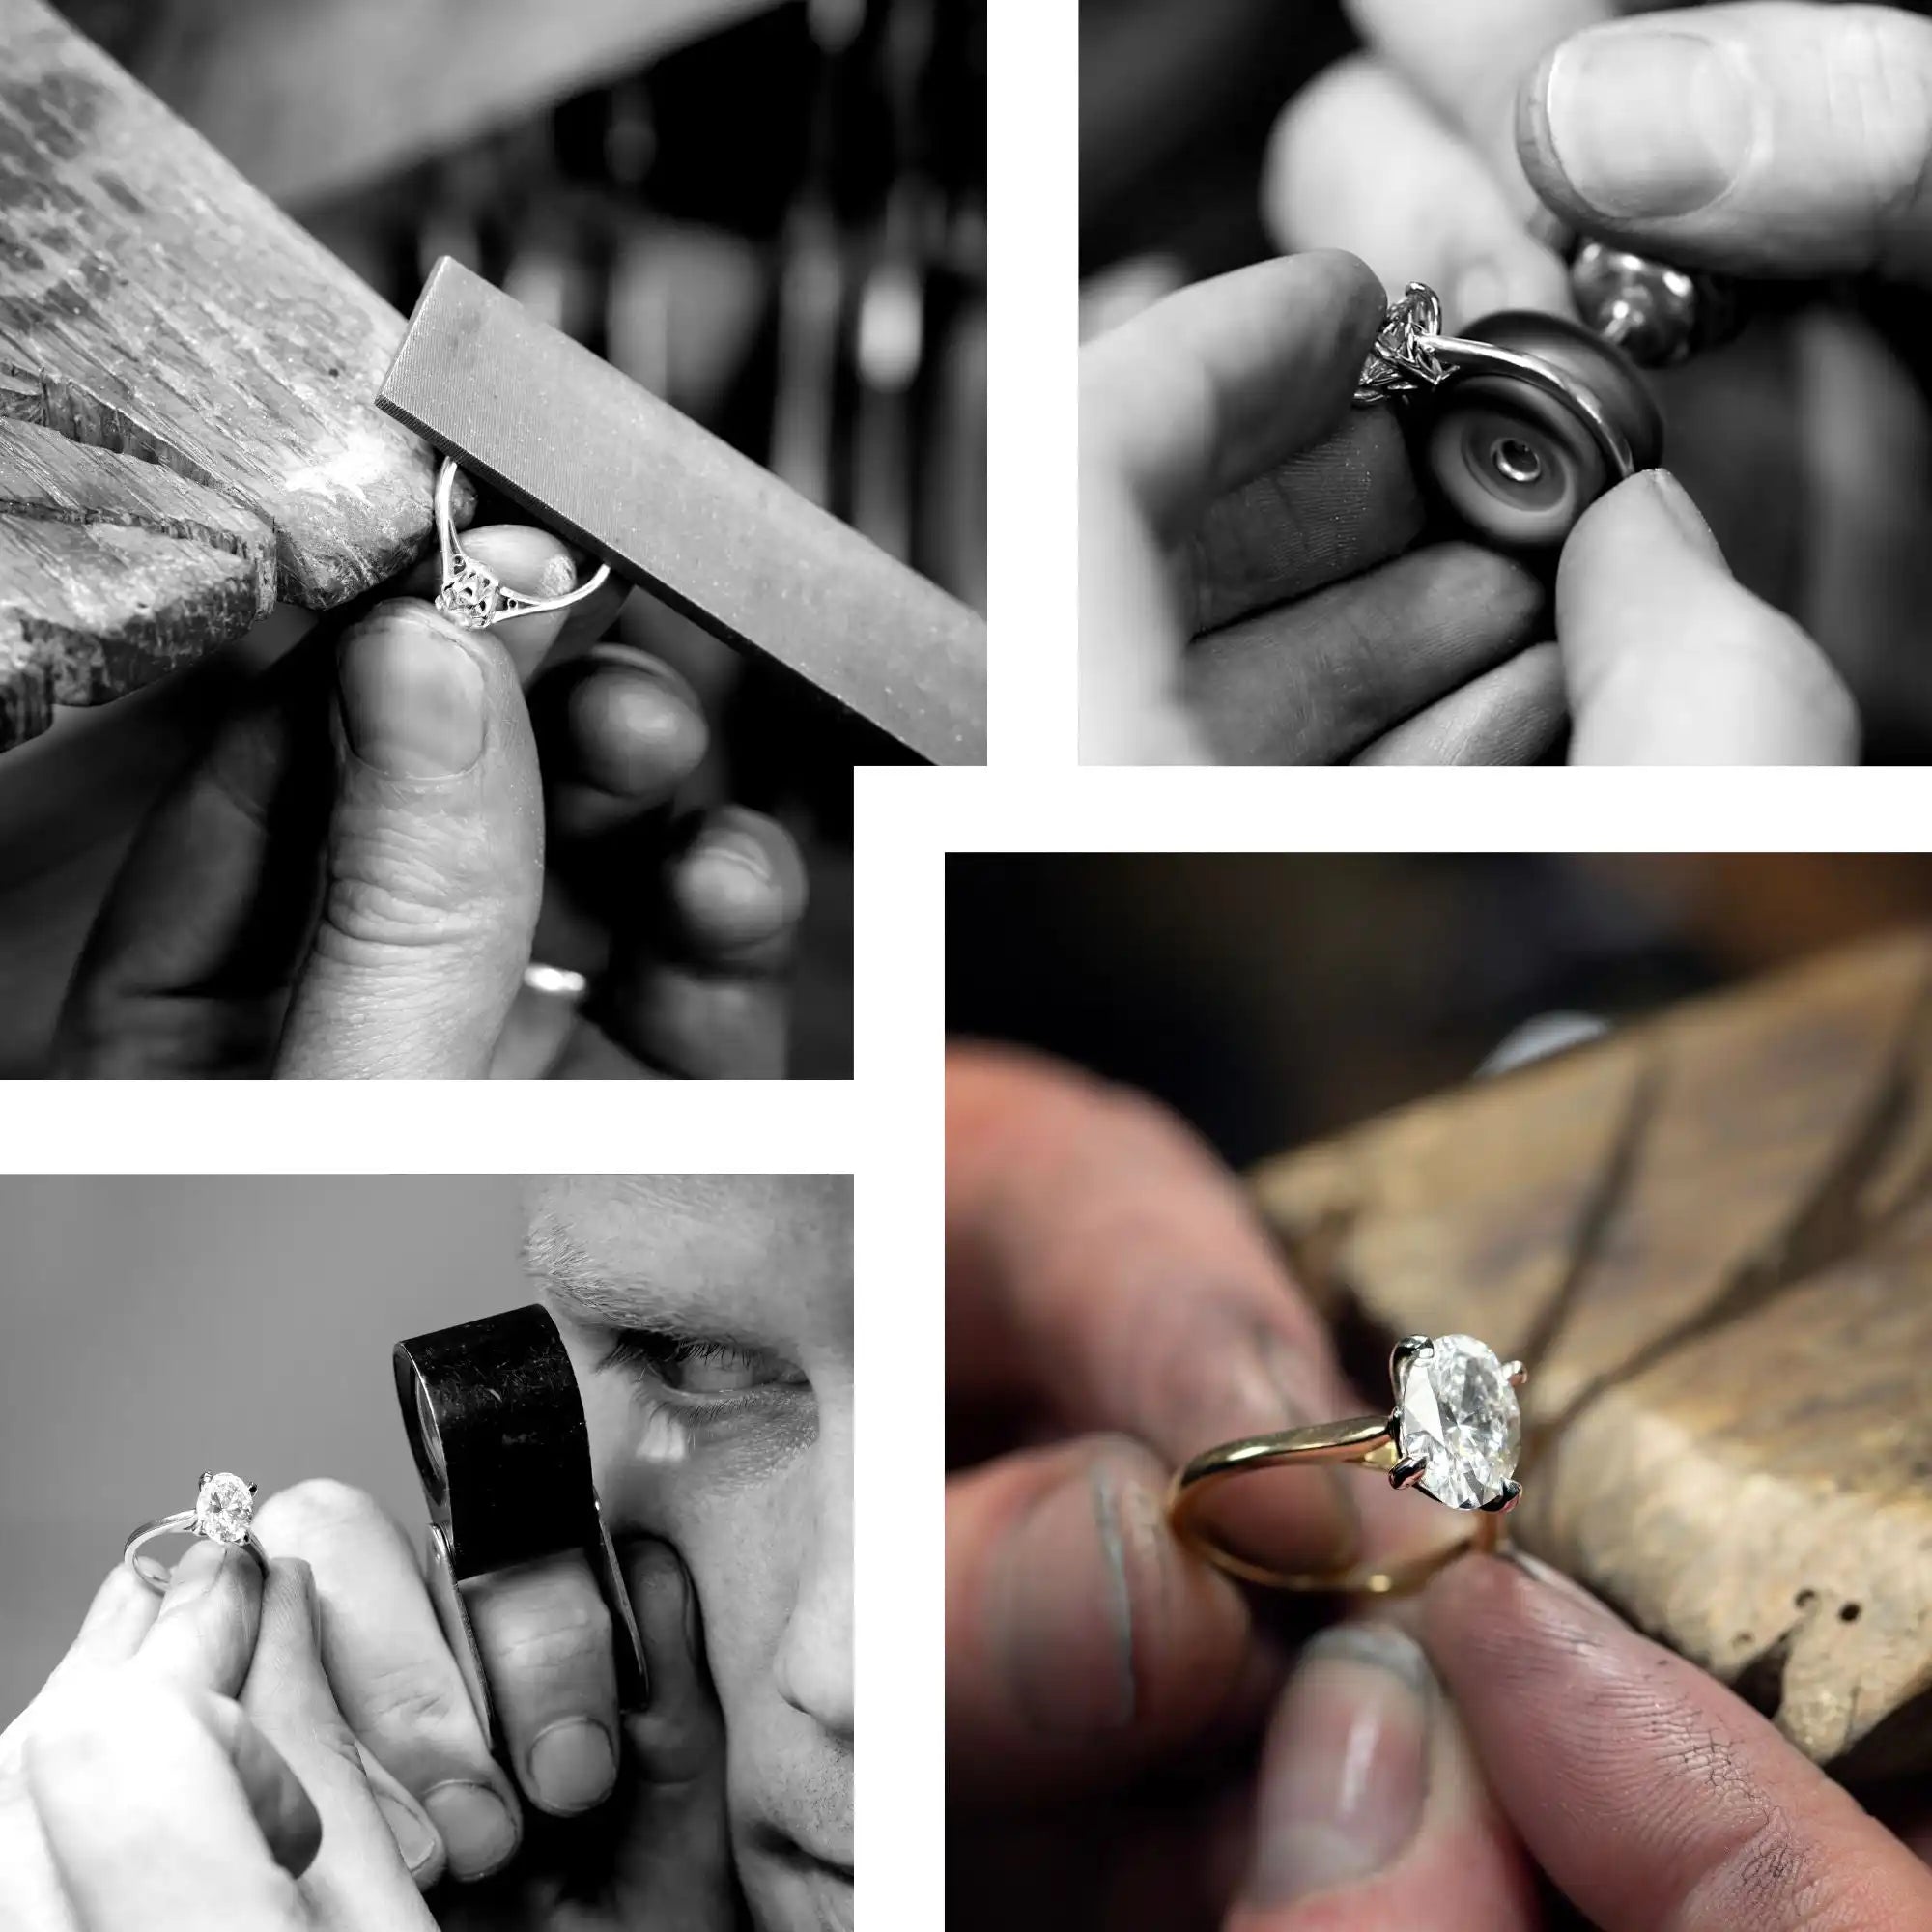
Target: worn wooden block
<point x="112" y="570"/>
<point x="1710" y="1237"/>
<point x="156" y="305"/>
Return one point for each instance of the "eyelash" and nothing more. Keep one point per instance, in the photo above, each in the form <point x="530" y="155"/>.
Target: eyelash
<point x="654" y="1361"/>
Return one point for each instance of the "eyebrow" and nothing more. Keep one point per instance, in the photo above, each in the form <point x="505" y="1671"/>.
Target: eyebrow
<point x="552" y="1256"/>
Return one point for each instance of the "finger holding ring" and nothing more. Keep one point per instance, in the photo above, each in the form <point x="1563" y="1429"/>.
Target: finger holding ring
<point x="223" y="1512"/>
<point x="473" y="596"/>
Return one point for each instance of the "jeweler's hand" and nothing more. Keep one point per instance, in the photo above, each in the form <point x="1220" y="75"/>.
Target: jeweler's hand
<point x="1775" y="138"/>
<point x="1648" y="1792"/>
<point x="605" y="1818"/>
<point x="1248" y="591"/>
<point x="1112" y="1308"/>
<point x="1244" y="595"/>
<point x="350" y="882"/>
<point x="184" y="1770"/>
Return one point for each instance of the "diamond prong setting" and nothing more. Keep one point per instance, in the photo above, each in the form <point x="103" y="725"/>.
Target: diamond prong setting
<point x="473" y="598"/>
<point x="225" y="1508"/>
<point x="1456" y="1422"/>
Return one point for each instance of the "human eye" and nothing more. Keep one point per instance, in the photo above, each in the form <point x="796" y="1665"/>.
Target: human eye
<point x="702" y="1373"/>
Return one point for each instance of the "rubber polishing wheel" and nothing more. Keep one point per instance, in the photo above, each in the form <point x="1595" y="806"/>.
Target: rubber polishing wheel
<point x="1518" y="465"/>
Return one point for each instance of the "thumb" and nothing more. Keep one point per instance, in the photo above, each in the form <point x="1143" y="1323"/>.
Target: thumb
<point x="1668" y="660"/>
<point x="675" y="1866"/>
<point x="433" y="857"/>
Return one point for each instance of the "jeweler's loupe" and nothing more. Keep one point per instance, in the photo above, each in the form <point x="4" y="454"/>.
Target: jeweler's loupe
<point x="497" y="1429"/>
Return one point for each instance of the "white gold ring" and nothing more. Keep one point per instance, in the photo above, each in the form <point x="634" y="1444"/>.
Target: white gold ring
<point x="223" y="1512"/>
<point x="475" y="597"/>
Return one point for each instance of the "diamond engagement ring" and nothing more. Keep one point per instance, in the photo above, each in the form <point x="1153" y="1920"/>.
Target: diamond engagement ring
<point x="225" y="1508"/>
<point x="1454" y="1434"/>
<point x="473" y="597"/>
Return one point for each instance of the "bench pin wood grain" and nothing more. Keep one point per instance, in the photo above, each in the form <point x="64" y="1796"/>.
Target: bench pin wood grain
<point x="211" y="371"/>
<point x="1710" y="1237"/>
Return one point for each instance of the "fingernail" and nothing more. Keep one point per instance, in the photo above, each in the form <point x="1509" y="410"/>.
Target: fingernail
<point x="1684" y="513"/>
<point x="197" y="1573"/>
<point x="573" y="1766"/>
<point x="1347" y="1766"/>
<point x="414" y="1841"/>
<point x="476" y="1826"/>
<point x="1552" y="1579"/>
<point x="1069" y="1649"/>
<point x="412" y="703"/>
<point x="558" y="576"/>
<point x="1645" y="122"/>
<point x="732" y="865"/>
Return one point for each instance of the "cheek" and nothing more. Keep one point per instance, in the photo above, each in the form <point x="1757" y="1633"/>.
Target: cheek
<point x="735" y="1548"/>
<point x="725" y="1509"/>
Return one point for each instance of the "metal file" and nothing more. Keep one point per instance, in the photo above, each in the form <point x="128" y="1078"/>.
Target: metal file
<point x="600" y="460"/>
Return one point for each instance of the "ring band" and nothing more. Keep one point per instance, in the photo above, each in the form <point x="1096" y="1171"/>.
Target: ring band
<point x="1410" y="354"/>
<point x="475" y="597"/>
<point x="223" y="1512"/>
<point x="1454" y="1434"/>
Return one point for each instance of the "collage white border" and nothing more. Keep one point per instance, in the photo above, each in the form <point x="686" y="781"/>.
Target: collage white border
<point x="887" y="1125"/>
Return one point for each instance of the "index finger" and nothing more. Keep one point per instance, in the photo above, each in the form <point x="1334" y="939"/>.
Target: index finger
<point x="1669" y="660"/>
<point x="203" y="1636"/>
<point x="1213" y="386"/>
<point x="1101" y="1265"/>
<point x="161" y="1815"/>
<point x="1643" y="1787"/>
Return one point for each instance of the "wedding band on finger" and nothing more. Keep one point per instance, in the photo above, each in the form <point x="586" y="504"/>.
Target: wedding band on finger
<point x="1453" y="1435"/>
<point x="223" y="1512"/>
<point x="473" y="596"/>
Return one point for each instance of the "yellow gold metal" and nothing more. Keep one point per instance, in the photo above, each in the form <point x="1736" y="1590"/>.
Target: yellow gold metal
<point x="1363" y="1439"/>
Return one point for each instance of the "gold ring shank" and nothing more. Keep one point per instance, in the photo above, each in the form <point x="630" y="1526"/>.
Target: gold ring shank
<point x="1362" y="1439"/>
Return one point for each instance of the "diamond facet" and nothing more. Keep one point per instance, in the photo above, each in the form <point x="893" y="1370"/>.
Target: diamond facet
<point x="225" y="1508"/>
<point x="472" y="597"/>
<point x="1458" y="1413"/>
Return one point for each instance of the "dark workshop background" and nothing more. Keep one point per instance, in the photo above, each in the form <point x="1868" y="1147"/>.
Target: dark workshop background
<point x="769" y="212"/>
<point x="1807" y="442"/>
<point x="161" y="1326"/>
<point x="1273" y="1000"/>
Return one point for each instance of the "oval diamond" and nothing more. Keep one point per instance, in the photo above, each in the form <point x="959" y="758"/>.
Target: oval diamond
<point x="225" y="1508"/>
<point x="1457" y="1413"/>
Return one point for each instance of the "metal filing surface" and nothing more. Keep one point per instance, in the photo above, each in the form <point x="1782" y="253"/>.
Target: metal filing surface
<point x="603" y="462"/>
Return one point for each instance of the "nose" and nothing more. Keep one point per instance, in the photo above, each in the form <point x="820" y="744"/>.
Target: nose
<point x="815" y="1661"/>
